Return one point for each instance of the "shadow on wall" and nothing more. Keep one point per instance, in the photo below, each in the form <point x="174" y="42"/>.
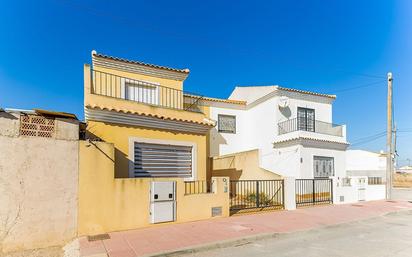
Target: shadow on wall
<point x="121" y="161"/>
<point x="286" y="112"/>
<point x="217" y="139"/>
<point x="241" y="166"/>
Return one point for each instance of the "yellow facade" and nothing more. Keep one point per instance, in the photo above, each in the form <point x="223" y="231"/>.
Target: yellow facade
<point x="110" y="204"/>
<point x="108" y="199"/>
<point x="119" y="136"/>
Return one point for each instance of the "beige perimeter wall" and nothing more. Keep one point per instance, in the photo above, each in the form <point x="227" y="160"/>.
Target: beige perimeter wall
<point x="241" y="166"/>
<point x="38" y="192"/>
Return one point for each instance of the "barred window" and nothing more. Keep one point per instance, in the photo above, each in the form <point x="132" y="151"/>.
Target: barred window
<point x="323" y="167"/>
<point x="227" y="123"/>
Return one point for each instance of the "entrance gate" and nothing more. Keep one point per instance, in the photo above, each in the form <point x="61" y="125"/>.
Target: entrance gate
<point x="256" y="195"/>
<point x="313" y="191"/>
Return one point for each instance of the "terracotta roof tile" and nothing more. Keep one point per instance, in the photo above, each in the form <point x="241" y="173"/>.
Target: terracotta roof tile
<point x="94" y="53"/>
<point x="206" y="122"/>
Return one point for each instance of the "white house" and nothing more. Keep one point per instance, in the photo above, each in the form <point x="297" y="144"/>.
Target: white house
<point x="366" y="163"/>
<point x="291" y="129"/>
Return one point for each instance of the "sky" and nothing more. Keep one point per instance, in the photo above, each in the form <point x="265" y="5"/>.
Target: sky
<point x="342" y="47"/>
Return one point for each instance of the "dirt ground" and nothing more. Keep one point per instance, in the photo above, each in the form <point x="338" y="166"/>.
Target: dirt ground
<point x="402" y="180"/>
<point x="45" y="252"/>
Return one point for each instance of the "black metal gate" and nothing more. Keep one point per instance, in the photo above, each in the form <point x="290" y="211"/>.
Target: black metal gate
<point x="313" y="191"/>
<point x="256" y="195"/>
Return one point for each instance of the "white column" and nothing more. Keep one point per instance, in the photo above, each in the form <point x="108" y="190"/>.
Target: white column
<point x="335" y="190"/>
<point x="290" y="194"/>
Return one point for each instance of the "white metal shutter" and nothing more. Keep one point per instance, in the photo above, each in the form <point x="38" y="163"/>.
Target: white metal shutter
<point x="158" y="160"/>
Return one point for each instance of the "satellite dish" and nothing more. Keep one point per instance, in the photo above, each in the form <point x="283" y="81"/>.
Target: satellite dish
<point x="283" y="102"/>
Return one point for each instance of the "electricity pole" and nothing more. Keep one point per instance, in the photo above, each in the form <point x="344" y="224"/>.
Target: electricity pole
<point x="389" y="147"/>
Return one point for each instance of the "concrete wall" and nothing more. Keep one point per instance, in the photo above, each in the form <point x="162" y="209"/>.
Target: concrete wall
<point x="365" y="163"/>
<point x="241" y="166"/>
<point x="38" y="186"/>
<point x="109" y="204"/>
<point x="352" y="191"/>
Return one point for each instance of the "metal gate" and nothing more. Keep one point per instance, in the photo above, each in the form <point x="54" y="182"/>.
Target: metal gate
<point x="313" y="191"/>
<point x="256" y="195"/>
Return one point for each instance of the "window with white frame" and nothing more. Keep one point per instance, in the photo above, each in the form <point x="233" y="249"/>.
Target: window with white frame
<point x="162" y="160"/>
<point x="323" y="167"/>
<point x="226" y="123"/>
<point x="140" y="91"/>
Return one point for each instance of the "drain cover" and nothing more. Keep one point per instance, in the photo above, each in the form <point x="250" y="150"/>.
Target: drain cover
<point x="98" y="237"/>
<point x="357" y="205"/>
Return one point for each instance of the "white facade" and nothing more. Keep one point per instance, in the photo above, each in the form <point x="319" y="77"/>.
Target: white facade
<point x="365" y="163"/>
<point x="290" y="150"/>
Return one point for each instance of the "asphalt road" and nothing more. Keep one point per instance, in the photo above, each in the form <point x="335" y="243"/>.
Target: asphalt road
<point x="402" y="194"/>
<point x="389" y="235"/>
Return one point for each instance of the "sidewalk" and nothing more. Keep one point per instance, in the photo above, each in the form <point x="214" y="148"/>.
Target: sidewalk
<point x="169" y="238"/>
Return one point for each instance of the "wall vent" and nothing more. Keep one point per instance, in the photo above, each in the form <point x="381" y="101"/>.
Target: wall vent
<point x="36" y="126"/>
<point x="216" y="211"/>
<point x="342" y="198"/>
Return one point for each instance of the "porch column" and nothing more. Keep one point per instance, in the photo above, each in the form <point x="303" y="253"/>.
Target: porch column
<point x="290" y="194"/>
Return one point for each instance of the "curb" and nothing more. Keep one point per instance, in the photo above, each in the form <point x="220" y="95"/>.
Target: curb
<point x="250" y="239"/>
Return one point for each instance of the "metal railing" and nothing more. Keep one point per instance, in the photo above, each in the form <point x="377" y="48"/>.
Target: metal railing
<point x="313" y="191"/>
<point x="198" y="187"/>
<point x="253" y="194"/>
<point x="375" y="181"/>
<point x="115" y="86"/>
<point x="316" y="126"/>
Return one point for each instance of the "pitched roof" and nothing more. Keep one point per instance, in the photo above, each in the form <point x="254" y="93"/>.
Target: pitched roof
<point x="41" y="112"/>
<point x="94" y="53"/>
<point x="306" y="92"/>
<point x="309" y="138"/>
<point x="220" y="100"/>
<point x="257" y="92"/>
<point x="206" y="122"/>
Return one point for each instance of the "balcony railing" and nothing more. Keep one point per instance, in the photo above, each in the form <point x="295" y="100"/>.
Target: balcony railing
<point x="314" y="126"/>
<point x="115" y="86"/>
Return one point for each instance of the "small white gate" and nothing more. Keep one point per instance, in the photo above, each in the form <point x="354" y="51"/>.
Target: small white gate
<point x="162" y="201"/>
<point x="361" y="185"/>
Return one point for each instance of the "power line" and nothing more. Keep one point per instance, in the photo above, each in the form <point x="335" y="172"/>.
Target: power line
<point x="357" y="87"/>
<point x="368" y="137"/>
<point x="368" y="141"/>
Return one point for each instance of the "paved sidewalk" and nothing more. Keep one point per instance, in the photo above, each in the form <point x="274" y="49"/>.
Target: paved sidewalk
<point x="169" y="238"/>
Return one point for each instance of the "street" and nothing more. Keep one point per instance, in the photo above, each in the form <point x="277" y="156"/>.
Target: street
<point x="388" y="235"/>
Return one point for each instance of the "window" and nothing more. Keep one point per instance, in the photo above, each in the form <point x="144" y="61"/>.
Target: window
<point x="139" y="91"/>
<point x="306" y="119"/>
<point x="162" y="160"/>
<point x="227" y="123"/>
<point x="323" y="167"/>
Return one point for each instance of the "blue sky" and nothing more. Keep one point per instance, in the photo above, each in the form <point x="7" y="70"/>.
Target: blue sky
<point x="324" y="46"/>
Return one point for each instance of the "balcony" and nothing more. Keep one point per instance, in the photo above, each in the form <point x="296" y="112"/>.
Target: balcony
<point x="314" y="126"/>
<point x="131" y="90"/>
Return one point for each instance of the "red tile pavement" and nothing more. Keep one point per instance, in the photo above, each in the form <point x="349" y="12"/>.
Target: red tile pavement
<point x="173" y="237"/>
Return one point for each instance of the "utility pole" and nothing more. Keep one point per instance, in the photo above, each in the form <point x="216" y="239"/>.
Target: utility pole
<point x="389" y="146"/>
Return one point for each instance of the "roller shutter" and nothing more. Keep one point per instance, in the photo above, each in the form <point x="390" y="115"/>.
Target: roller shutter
<point x="158" y="160"/>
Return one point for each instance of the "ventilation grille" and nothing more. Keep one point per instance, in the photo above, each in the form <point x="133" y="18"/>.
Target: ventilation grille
<point x="36" y="126"/>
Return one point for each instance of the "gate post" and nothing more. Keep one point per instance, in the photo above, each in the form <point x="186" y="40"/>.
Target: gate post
<point x="313" y="191"/>
<point x="257" y="194"/>
<point x="290" y="193"/>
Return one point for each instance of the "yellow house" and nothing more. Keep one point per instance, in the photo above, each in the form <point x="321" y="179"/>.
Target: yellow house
<point x="146" y="157"/>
